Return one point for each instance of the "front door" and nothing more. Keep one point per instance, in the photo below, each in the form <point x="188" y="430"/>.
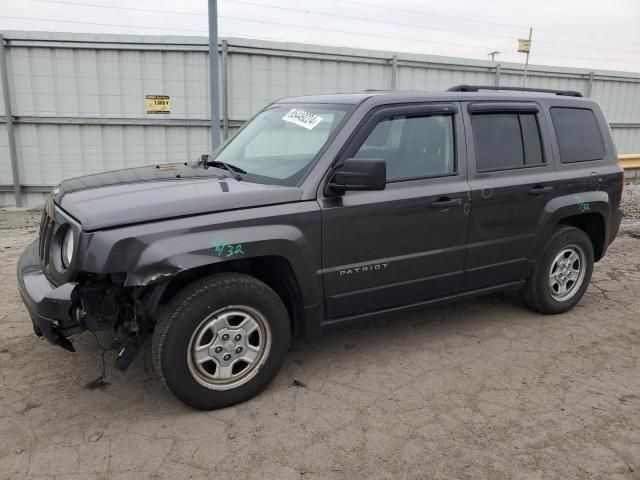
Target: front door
<point x="405" y="244"/>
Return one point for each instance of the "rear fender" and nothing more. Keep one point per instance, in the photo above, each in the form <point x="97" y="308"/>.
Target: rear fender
<point x="569" y="206"/>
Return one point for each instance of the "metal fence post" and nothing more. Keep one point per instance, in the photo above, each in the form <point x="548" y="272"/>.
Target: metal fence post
<point x="225" y="90"/>
<point x="590" y="84"/>
<point x="498" y="71"/>
<point x="214" y="90"/>
<point x="9" y="117"/>
<point x="394" y="71"/>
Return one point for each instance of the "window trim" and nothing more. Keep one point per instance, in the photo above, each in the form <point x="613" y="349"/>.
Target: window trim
<point x="555" y="133"/>
<point x="502" y="107"/>
<point x="518" y="113"/>
<point x="382" y="112"/>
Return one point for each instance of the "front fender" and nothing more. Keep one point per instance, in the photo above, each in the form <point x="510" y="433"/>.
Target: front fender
<point x="566" y="206"/>
<point x="153" y="252"/>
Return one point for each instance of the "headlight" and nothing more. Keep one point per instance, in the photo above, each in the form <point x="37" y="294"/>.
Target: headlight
<point x="67" y="248"/>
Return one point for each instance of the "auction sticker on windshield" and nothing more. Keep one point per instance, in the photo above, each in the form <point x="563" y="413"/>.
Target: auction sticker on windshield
<point x="302" y="118"/>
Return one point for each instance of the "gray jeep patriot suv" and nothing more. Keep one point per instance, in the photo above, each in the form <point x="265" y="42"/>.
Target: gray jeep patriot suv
<point x="321" y="210"/>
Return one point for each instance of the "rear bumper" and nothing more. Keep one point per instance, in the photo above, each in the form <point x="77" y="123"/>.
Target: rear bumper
<point x="50" y="307"/>
<point x="614" y="227"/>
<point x="616" y="220"/>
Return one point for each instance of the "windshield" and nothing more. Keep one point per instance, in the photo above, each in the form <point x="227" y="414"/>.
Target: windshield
<point x="281" y="142"/>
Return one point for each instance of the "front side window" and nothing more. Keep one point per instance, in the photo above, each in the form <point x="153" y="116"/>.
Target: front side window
<point x="506" y="141"/>
<point x="281" y="142"/>
<point x="412" y="146"/>
<point x="578" y="134"/>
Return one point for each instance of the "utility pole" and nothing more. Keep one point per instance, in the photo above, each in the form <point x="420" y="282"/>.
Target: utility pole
<point x="526" y="63"/>
<point x="214" y="94"/>
<point x="493" y="55"/>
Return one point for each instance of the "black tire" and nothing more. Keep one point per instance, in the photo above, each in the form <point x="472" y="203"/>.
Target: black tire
<point x="537" y="293"/>
<point x="186" y="313"/>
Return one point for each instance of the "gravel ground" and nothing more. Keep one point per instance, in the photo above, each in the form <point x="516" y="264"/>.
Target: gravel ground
<point x="631" y="200"/>
<point x="482" y="389"/>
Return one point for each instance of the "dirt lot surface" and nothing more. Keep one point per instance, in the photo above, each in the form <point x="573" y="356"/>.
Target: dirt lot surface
<point x="483" y="389"/>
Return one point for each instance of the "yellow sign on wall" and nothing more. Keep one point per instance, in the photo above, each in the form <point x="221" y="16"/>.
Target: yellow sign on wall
<point x="524" y="45"/>
<point x="158" y="104"/>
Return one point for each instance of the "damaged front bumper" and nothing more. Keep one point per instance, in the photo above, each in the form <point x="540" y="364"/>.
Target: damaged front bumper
<point x="53" y="309"/>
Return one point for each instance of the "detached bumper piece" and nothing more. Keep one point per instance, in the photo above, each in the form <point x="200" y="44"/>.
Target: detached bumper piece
<point x="51" y="307"/>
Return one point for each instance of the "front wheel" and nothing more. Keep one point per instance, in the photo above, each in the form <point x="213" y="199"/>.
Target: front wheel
<point x="559" y="280"/>
<point x="221" y="341"/>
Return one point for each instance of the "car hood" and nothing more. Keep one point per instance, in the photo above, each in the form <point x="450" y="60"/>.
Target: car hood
<point x="157" y="192"/>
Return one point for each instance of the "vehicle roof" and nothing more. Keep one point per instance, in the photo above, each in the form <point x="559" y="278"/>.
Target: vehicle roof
<point x="386" y="96"/>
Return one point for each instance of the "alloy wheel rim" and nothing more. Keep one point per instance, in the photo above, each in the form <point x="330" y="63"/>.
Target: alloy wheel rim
<point x="228" y="347"/>
<point x="566" y="273"/>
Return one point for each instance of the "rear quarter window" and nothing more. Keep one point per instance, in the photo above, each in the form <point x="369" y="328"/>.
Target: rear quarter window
<point x="578" y="134"/>
<point x="506" y="141"/>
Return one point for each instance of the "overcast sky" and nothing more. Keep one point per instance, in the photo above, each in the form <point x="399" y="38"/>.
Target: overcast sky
<point x="579" y="33"/>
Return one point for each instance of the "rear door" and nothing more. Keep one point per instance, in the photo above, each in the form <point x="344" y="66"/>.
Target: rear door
<point x="511" y="175"/>
<point x="404" y="244"/>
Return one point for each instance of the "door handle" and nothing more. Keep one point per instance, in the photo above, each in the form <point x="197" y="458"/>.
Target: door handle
<point x="446" y="203"/>
<point x="540" y="190"/>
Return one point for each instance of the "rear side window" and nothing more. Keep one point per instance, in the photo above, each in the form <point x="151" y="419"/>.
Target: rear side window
<point x="506" y="141"/>
<point x="578" y="134"/>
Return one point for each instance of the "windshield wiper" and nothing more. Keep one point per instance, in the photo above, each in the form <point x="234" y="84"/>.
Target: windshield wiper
<point x="229" y="167"/>
<point x="205" y="162"/>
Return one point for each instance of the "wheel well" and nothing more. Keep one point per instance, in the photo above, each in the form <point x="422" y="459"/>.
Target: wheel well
<point x="275" y="271"/>
<point x="593" y="225"/>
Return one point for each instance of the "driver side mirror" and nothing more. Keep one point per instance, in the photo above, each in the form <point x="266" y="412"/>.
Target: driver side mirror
<point x="360" y="174"/>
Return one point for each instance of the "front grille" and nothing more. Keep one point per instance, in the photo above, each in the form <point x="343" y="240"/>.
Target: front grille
<point x="47" y="227"/>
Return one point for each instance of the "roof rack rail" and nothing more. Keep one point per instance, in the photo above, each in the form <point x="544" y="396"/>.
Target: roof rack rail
<point x="475" y="88"/>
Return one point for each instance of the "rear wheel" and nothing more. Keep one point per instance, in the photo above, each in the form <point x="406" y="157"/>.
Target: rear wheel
<point x="559" y="280"/>
<point x="221" y="341"/>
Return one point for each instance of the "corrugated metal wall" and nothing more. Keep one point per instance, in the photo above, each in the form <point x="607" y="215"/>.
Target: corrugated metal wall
<point x="78" y="100"/>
